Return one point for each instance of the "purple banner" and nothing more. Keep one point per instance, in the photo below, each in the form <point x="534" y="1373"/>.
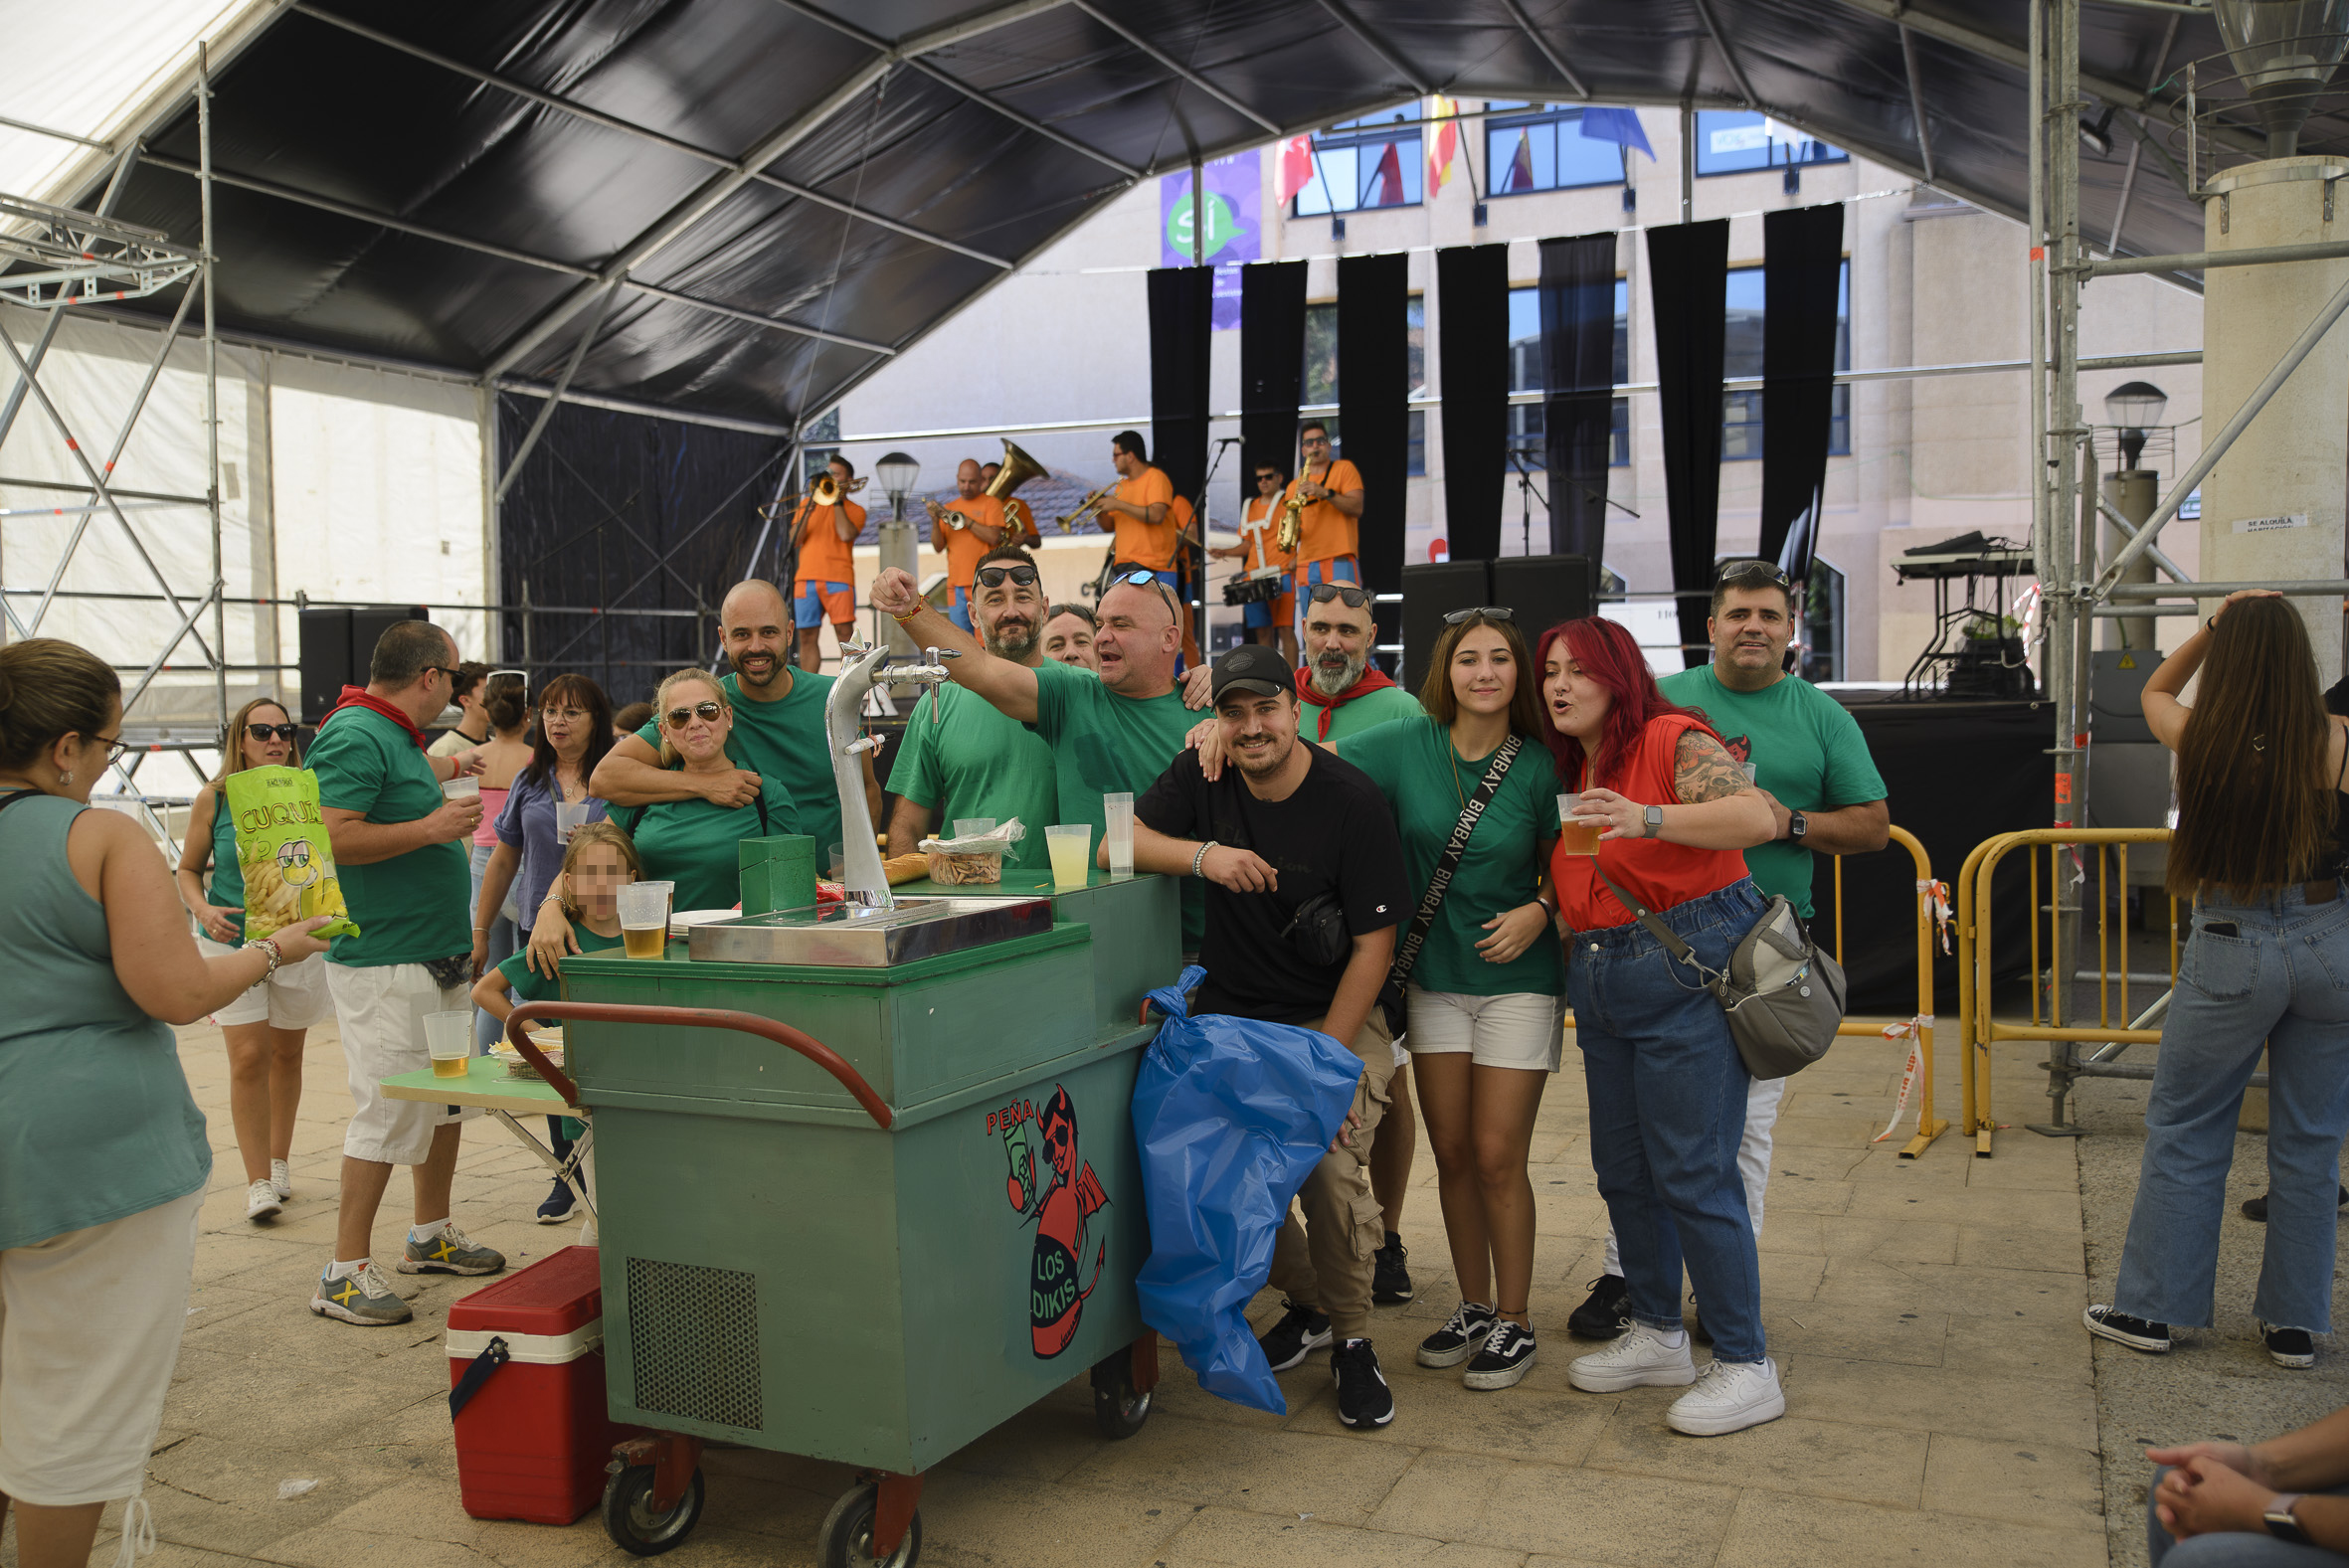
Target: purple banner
<point x="1232" y="230"/>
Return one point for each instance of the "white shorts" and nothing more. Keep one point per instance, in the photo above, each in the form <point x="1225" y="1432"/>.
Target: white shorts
<point x="295" y="997"/>
<point x="90" y="1329"/>
<point x="1522" y="1029"/>
<point x="380" y="1009"/>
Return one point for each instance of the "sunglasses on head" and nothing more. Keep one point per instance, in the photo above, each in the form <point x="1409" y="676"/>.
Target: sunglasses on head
<point x="993" y="576"/>
<point x="709" y="711"/>
<point x="1752" y="573"/>
<point x="1351" y="598"/>
<point x="265" y="732"/>
<point x="1489" y="611"/>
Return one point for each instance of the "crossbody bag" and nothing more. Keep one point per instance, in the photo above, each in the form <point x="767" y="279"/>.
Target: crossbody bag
<point x="1447" y="864"/>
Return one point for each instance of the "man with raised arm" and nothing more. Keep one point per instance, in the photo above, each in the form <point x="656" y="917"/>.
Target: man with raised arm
<point x="1114" y="733"/>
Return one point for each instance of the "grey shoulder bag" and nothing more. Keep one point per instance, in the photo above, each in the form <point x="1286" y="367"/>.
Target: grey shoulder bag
<point x="1784" y="996"/>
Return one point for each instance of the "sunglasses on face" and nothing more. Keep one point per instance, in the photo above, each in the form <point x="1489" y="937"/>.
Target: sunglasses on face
<point x="1489" y="611"/>
<point x="993" y="576"/>
<point x="1351" y="598"/>
<point x="269" y="732"/>
<point x="707" y="711"/>
<point x="1317" y="441"/>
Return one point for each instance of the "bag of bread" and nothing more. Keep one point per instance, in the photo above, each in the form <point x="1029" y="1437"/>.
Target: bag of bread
<point x="283" y="851"/>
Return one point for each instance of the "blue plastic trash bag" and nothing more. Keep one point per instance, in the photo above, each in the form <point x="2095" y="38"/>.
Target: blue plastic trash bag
<point x="1230" y="1116"/>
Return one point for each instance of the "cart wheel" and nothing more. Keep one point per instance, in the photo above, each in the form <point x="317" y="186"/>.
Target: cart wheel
<point x="846" y="1538"/>
<point x="630" y="1520"/>
<point x="1119" y="1410"/>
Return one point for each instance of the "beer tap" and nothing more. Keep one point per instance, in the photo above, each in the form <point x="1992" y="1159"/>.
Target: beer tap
<point x="863" y="882"/>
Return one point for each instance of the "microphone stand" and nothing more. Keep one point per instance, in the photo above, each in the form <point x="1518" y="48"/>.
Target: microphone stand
<point x="1526" y="495"/>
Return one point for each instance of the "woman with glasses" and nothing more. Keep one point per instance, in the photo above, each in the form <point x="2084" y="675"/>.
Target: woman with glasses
<point x="104" y="1159"/>
<point x="548" y="800"/>
<point x="505" y="709"/>
<point x="265" y="1027"/>
<point x="1484" y="985"/>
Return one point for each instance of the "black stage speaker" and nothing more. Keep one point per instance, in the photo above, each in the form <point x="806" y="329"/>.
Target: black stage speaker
<point x="1542" y="591"/>
<point x="336" y="646"/>
<point x="1431" y="593"/>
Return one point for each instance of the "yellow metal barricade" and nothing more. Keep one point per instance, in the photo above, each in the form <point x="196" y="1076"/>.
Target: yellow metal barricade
<point x="1978" y="1029"/>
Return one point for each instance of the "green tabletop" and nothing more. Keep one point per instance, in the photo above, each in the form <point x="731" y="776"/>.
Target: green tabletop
<point x="486" y="1085"/>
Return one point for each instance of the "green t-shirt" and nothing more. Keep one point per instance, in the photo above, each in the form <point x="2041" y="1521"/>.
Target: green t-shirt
<point x="697" y="846"/>
<point x="1103" y="743"/>
<point x="1806" y="750"/>
<point x="528" y="985"/>
<point x="965" y="758"/>
<point x="227" y="888"/>
<point x="413" y="908"/>
<point x="1427" y="785"/>
<point x="785" y="740"/>
<point x="1383" y="706"/>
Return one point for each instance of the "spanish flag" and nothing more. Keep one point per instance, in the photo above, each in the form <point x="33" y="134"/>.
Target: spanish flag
<point x="1444" y="146"/>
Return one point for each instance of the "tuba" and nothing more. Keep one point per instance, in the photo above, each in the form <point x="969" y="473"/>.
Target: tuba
<point x="1018" y="468"/>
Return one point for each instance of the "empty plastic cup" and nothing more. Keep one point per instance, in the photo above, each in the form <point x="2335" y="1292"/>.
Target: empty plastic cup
<point x="1072" y="848"/>
<point x="570" y="818"/>
<point x="1119" y="835"/>
<point x="449" y="1036"/>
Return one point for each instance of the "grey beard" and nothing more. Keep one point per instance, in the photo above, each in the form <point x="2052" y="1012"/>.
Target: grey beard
<point x="1354" y="672"/>
<point x="1016" y="646"/>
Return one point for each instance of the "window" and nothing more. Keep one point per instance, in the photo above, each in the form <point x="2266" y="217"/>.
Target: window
<point x="1544" y="149"/>
<point x="1525" y="432"/>
<point x="1741" y="411"/>
<point x="1415" y="456"/>
<point x="1357" y="164"/>
<point x="1320" y="382"/>
<point x="1729" y="142"/>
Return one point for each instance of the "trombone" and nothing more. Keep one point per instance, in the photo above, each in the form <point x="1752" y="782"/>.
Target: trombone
<point x="1087" y="510"/>
<point x="826" y="491"/>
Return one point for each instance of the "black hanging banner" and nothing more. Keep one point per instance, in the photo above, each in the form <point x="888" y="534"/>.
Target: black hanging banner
<point x="1179" y="306"/>
<point x="1802" y="271"/>
<point x="1272" y="365"/>
<point x="1472" y="296"/>
<point x="1689" y="279"/>
<point x="1578" y="383"/>
<point x="1374" y="392"/>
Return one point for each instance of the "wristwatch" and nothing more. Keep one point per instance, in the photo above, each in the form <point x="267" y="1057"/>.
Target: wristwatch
<point x="1654" y="818"/>
<point x="1797" y="825"/>
<point x="2280" y="1522"/>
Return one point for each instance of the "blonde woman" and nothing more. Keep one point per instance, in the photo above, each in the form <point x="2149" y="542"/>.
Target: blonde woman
<point x="265" y="1027"/>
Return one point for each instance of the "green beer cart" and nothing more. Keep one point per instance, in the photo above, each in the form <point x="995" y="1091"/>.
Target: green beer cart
<point x="865" y="1184"/>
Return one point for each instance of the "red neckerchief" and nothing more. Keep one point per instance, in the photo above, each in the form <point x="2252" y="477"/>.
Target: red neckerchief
<point x="361" y="697"/>
<point x="1373" y="680"/>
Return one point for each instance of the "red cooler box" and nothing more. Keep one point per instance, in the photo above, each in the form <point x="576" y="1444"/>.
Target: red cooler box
<point x="532" y="1438"/>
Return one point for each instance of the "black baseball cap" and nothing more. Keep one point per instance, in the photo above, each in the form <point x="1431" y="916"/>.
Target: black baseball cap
<point x="1252" y="667"/>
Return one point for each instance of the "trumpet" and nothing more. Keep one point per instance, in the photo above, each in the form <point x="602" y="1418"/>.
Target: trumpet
<point x="939" y="514"/>
<point x="1085" y="512"/>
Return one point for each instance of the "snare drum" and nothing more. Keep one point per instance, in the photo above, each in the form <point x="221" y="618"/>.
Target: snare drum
<point x="1260" y="587"/>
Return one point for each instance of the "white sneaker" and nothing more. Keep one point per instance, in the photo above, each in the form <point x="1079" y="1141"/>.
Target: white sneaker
<point x="260" y="1201"/>
<point x="1730" y="1396"/>
<point x="281" y="1178"/>
<point x="1640" y="1358"/>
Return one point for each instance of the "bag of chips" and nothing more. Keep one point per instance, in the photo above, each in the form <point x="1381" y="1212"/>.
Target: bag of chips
<point x="284" y="853"/>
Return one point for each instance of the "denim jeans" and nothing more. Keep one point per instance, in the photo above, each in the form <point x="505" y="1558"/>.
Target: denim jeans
<point x="1667" y="1094"/>
<point x="502" y="945"/>
<point x="2280" y="978"/>
<point x="2230" y="1549"/>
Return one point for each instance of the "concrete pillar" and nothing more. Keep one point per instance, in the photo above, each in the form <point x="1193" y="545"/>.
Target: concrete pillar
<point x="2133" y="493"/>
<point x="2290" y="463"/>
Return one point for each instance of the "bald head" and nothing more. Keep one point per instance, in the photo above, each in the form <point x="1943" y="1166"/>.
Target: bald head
<point x="756" y="625"/>
<point x="968" y="480"/>
<point x="1137" y="639"/>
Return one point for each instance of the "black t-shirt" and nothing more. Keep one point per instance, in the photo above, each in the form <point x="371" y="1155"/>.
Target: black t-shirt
<point x="1333" y="833"/>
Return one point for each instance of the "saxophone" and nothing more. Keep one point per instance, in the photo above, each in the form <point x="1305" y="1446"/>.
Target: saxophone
<point x="1292" y="529"/>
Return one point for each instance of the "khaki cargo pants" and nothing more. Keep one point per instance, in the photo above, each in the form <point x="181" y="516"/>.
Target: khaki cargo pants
<point x="1325" y="1263"/>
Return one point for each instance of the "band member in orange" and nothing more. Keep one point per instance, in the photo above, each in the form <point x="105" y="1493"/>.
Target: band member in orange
<point x="1329" y="550"/>
<point x="966" y="528"/>
<point x="824" y="584"/>
<point x="1265" y="619"/>
<point x="1019" y="519"/>
<point x="1137" y="511"/>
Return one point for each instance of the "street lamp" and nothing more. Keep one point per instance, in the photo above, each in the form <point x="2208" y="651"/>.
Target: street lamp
<point x="2285" y="52"/>
<point x="897" y="473"/>
<point x="2133" y="406"/>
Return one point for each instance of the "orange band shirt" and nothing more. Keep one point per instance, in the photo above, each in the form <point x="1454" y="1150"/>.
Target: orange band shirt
<point x="963" y="546"/>
<point x="1016" y="511"/>
<point x="1325" y="533"/>
<point x="1256" y="534"/>
<point x="1138" y="541"/>
<point x="824" y="557"/>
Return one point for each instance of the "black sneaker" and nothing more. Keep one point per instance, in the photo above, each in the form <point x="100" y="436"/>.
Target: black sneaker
<point x="558" y="1205"/>
<point x="1364" y="1399"/>
<point x="1390" y="1280"/>
<point x="1299" y="1329"/>
<point x="1462" y="1335"/>
<point x="2289" y="1347"/>
<point x="2256" y="1209"/>
<point x="1601" y="1317"/>
<point x="2136" y="1333"/>
<point x="1506" y="1357"/>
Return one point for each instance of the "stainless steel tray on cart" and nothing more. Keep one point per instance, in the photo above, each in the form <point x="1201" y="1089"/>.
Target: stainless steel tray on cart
<point x="853" y="936"/>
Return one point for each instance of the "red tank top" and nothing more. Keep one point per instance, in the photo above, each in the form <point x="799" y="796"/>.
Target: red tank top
<point x="1660" y="874"/>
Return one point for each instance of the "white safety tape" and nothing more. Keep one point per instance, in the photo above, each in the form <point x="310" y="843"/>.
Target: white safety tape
<point x="1937" y="897"/>
<point x="533" y="1349"/>
<point x="1913" y="1029"/>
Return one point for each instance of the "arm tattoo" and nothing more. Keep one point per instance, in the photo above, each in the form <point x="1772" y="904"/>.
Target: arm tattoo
<point x="1703" y="770"/>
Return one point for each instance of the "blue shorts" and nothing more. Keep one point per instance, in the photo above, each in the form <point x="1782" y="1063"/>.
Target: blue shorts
<point x="958" y="607"/>
<point x="1257" y="612"/>
<point x="822" y="601"/>
<point x="1343" y="569"/>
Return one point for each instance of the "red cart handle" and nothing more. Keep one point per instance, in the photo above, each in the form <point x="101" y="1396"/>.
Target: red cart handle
<point x="822" y="1055"/>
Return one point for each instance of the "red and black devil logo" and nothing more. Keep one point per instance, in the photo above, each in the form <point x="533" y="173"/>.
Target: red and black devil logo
<point x="1052" y="1186"/>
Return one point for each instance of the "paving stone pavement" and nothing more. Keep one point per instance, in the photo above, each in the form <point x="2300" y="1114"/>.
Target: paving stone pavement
<point x="1925" y="1315"/>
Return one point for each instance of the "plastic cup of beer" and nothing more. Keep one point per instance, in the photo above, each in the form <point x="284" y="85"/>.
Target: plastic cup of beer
<point x="449" y="1037"/>
<point x="1579" y="839"/>
<point x="645" y="919"/>
<point x="1119" y="835"/>
<point x="973" y="826"/>
<point x="465" y="786"/>
<point x="1072" y="848"/>
<point x="570" y="817"/>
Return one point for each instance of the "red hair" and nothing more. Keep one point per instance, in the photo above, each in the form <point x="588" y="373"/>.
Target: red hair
<point x="1611" y="657"/>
